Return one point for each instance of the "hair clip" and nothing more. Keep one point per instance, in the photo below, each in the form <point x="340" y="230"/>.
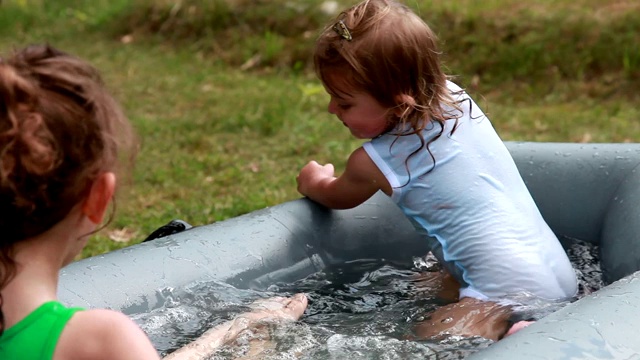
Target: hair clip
<point x="342" y="30"/>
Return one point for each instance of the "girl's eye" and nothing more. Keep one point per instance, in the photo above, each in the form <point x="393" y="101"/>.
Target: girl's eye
<point x="344" y="106"/>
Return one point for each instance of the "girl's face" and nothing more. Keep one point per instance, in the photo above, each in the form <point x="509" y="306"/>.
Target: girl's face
<point x="365" y="117"/>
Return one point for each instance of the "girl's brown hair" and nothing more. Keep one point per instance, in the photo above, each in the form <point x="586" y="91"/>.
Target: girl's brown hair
<point x="59" y="129"/>
<point x="391" y="54"/>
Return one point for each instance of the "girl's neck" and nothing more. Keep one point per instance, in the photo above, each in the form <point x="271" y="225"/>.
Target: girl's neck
<point x="35" y="281"/>
<point x="25" y="293"/>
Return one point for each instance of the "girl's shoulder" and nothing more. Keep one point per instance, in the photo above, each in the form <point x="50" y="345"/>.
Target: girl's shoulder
<point x="103" y="334"/>
<point x="456" y="92"/>
<point x="453" y="87"/>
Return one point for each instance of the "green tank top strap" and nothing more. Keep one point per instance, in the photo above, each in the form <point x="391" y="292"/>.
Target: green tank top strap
<point x="35" y="337"/>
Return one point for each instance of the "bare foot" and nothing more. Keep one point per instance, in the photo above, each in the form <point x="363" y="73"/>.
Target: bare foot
<point x="517" y="327"/>
<point x="286" y="308"/>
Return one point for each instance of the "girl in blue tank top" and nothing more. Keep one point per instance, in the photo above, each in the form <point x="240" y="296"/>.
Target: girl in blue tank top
<point x="433" y="151"/>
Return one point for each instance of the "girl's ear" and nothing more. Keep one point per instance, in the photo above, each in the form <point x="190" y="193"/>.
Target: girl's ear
<point x="405" y="102"/>
<point x="99" y="197"/>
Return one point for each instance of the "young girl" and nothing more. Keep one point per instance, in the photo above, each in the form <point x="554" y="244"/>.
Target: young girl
<point x="61" y="136"/>
<point x="432" y="150"/>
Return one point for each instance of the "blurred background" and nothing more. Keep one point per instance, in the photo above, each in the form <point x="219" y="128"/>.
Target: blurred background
<point x="224" y="99"/>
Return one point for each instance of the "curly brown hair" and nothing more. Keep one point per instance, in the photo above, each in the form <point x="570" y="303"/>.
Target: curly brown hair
<point x="59" y="129"/>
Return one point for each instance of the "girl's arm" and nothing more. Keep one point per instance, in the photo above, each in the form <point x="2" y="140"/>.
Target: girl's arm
<point x="278" y="308"/>
<point x="360" y="180"/>
<point x="106" y="334"/>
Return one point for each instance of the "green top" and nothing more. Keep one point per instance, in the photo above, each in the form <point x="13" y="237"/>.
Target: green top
<point x="35" y="337"/>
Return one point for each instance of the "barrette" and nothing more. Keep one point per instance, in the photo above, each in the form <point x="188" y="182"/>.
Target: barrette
<point x="342" y="30"/>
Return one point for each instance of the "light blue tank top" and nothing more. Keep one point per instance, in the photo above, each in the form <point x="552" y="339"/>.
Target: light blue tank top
<point x="474" y="207"/>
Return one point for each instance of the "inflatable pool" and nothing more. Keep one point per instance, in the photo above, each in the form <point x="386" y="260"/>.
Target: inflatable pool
<point x="587" y="192"/>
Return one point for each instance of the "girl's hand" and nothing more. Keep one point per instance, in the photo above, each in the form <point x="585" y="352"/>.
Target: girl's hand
<point x="359" y="181"/>
<point x="313" y="174"/>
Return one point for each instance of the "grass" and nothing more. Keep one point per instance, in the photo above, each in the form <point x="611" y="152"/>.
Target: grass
<point x="228" y="110"/>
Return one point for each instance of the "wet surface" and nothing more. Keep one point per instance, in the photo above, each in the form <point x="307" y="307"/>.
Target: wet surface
<point x="359" y="310"/>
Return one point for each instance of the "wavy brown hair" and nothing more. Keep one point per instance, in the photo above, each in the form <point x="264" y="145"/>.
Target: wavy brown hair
<point x="59" y="129"/>
<point x="392" y="55"/>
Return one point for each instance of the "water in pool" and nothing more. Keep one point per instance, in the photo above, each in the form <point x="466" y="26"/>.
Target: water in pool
<point x="360" y="310"/>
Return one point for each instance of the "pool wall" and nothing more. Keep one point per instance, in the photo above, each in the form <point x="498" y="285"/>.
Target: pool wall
<point x="589" y="192"/>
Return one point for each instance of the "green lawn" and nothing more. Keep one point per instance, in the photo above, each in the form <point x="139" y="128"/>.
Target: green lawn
<point x="228" y="110"/>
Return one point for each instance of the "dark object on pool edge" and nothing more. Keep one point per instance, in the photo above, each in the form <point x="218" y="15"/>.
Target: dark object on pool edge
<point x="588" y="192"/>
<point x="173" y="227"/>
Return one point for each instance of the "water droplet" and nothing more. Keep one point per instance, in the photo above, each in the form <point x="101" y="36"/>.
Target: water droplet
<point x="447" y="320"/>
